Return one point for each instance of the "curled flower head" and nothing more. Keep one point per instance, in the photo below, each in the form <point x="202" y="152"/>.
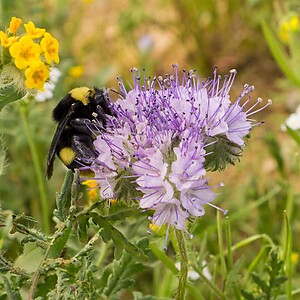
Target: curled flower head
<point x="14" y="24"/>
<point x="25" y="51"/>
<point x="33" y="31"/>
<point x="36" y="75"/>
<point x="161" y="139"/>
<point x="49" y="47"/>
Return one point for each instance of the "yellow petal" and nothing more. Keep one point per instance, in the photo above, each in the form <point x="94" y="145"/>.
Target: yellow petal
<point x="14" y="24"/>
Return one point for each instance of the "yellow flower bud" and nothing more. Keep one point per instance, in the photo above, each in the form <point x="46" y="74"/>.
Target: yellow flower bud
<point x="14" y="24"/>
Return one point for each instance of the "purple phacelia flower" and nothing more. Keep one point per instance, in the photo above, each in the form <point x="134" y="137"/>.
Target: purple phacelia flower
<point x="164" y="136"/>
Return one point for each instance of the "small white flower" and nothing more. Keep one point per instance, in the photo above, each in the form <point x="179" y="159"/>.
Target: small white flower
<point x="293" y="121"/>
<point x="193" y="275"/>
<point x="49" y="86"/>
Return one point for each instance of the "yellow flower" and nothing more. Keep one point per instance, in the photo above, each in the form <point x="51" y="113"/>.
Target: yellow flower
<point x="93" y="185"/>
<point x="76" y="71"/>
<point x="33" y="31"/>
<point x="50" y="46"/>
<point x="36" y="75"/>
<point x="7" y="41"/>
<point x="113" y="201"/>
<point x="287" y="27"/>
<point x="14" y="24"/>
<point x="25" y="52"/>
<point x="294" y="23"/>
<point x="154" y="227"/>
<point x="295" y="258"/>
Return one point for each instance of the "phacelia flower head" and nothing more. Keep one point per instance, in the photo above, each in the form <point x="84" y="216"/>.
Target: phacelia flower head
<point x="165" y="134"/>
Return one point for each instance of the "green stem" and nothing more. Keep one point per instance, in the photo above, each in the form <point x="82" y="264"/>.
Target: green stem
<point x="183" y="265"/>
<point x="36" y="275"/>
<point x="37" y="169"/>
<point x="287" y="254"/>
<point x="221" y="246"/>
<point x="229" y="245"/>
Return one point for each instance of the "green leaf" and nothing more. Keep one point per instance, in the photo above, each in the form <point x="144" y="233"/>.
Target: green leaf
<point x="140" y="296"/>
<point x="63" y="199"/>
<point x="59" y="242"/>
<point x="122" y="270"/>
<point x="247" y="295"/>
<point x="260" y="282"/>
<point x="83" y="223"/>
<point x="120" y="242"/>
<point x="8" y="94"/>
<point x="30" y="259"/>
<point x="120" y="215"/>
<point x="294" y="134"/>
<point x="164" y="258"/>
<point x="279" y="54"/>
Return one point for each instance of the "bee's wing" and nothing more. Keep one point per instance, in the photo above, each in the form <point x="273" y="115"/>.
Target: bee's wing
<point x="51" y="155"/>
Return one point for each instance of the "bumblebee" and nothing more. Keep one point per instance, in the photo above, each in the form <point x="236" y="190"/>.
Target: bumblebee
<point x="80" y="113"/>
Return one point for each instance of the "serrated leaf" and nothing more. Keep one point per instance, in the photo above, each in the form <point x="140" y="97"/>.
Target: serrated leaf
<point x="120" y="215"/>
<point x="247" y="295"/>
<point x="140" y="296"/>
<point x="8" y="94"/>
<point x="260" y="282"/>
<point x="118" y="274"/>
<point x="120" y="242"/>
<point x="63" y="199"/>
<point x="83" y="223"/>
<point x="280" y="280"/>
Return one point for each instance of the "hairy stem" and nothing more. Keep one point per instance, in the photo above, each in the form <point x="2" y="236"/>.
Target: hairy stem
<point x="183" y="265"/>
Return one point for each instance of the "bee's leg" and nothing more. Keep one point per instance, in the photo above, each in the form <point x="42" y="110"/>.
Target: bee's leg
<point x="84" y="148"/>
<point x="84" y="126"/>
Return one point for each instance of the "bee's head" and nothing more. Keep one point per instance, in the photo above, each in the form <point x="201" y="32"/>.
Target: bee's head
<point x="101" y="98"/>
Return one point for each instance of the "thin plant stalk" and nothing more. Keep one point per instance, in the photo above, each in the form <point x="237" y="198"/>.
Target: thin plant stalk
<point x="228" y="239"/>
<point x="180" y="293"/>
<point x="287" y="255"/>
<point x="229" y="255"/>
<point x="37" y="169"/>
<point x="221" y="246"/>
